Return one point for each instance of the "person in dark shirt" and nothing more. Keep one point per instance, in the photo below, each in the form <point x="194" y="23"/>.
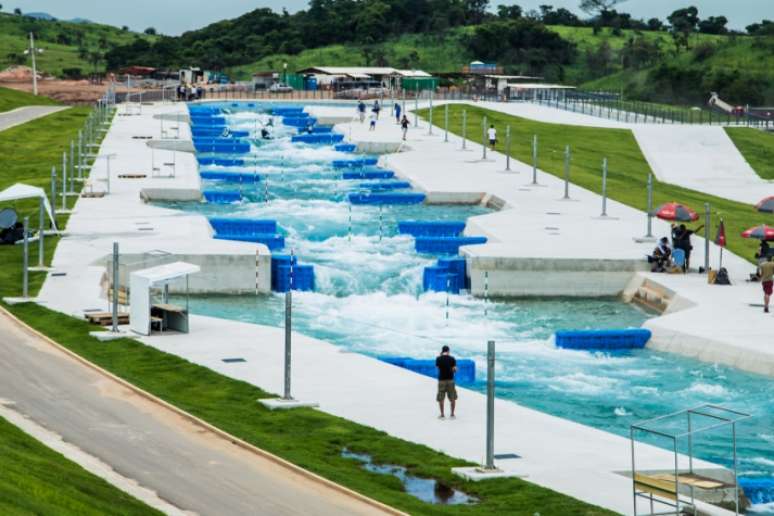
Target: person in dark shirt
<point x="447" y="366"/>
<point x="681" y="239"/>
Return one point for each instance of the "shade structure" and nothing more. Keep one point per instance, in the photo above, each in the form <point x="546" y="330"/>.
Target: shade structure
<point x="766" y="205"/>
<point x="762" y="232"/>
<point x="676" y="212"/>
<point x="21" y="191"/>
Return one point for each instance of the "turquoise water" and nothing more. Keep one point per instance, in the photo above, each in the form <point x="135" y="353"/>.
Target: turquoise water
<point x="369" y="300"/>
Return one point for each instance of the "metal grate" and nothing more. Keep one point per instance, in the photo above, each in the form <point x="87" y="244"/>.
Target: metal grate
<point x="234" y="360"/>
<point x="506" y="456"/>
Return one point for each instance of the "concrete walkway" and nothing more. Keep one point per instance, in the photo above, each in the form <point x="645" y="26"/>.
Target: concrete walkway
<point x="25" y="114"/>
<point x="167" y="460"/>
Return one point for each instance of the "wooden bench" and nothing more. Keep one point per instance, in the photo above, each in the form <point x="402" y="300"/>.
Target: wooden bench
<point x="106" y="318"/>
<point x="655" y="486"/>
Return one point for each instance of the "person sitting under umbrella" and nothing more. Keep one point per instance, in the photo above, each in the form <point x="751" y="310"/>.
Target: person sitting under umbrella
<point x="661" y="257"/>
<point x="681" y="239"/>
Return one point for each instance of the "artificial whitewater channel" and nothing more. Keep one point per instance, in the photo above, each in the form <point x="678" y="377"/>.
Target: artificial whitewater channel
<point x="369" y="298"/>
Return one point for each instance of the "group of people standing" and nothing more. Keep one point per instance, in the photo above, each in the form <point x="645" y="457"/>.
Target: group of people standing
<point x="663" y="255"/>
<point x="376" y="108"/>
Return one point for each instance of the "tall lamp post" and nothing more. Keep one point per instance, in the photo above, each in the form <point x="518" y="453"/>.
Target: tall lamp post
<point x="32" y="51"/>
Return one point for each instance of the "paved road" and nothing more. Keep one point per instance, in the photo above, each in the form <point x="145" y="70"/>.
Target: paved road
<point x="186" y="465"/>
<point x="23" y="115"/>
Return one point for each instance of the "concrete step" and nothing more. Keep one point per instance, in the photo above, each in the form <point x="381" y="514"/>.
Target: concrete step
<point x="652" y="297"/>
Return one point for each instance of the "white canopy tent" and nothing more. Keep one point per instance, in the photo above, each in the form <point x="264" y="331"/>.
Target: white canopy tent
<point x="22" y="191"/>
<point x="141" y="282"/>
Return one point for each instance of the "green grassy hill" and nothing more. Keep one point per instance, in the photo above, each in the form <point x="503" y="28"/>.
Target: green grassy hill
<point x="12" y="99"/>
<point x="61" y="42"/>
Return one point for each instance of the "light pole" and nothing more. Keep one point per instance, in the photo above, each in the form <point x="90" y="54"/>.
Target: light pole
<point x="31" y="51"/>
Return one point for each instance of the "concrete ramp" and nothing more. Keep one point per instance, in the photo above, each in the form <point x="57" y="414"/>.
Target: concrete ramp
<point x="701" y="158"/>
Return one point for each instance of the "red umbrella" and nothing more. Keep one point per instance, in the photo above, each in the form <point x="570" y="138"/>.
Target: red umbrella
<point x="766" y="205"/>
<point x="677" y="212"/>
<point x="762" y="232"/>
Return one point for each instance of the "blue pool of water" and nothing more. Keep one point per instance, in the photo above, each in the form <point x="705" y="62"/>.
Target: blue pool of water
<point x="369" y="299"/>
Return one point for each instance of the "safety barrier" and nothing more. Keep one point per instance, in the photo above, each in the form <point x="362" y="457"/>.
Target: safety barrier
<point x="326" y="138"/>
<point x="230" y="177"/>
<point x="271" y="240"/>
<point x="434" y="228"/>
<point x="387" y="198"/>
<point x="368" y="174"/>
<point x="445" y="245"/>
<point x="465" y="375"/>
<point x="237" y="226"/>
<point x="632" y="338"/>
<point x="384" y="186"/>
<point x="354" y="163"/>
<point x="221" y="196"/>
<point x="221" y="162"/>
<point x="303" y="275"/>
<point x="345" y="147"/>
<point x="448" y="275"/>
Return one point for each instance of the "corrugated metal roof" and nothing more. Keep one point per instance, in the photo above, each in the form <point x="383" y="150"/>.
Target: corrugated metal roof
<point x="360" y="71"/>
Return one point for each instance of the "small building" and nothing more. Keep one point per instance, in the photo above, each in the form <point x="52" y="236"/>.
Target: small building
<point x="360" y="77"/>
<point x="265" y="80"/>
<point x="537" y="91"/>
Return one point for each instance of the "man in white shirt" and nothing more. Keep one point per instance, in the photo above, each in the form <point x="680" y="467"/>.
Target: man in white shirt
<point x="492" y="136"/>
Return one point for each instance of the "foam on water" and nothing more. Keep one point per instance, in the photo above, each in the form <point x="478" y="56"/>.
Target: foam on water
<point x="369" y="299"/>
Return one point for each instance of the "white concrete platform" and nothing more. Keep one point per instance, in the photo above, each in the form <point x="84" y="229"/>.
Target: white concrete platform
<point x="283" y="404"/>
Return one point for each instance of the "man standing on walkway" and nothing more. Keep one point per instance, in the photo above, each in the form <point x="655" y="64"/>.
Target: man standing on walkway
<point x="492" y="132"/>
<point x="447" y="366"/>
<point x="767" y="281"/>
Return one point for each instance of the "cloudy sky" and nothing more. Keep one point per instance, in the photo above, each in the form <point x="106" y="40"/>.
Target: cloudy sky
<point x="176" y="16"/>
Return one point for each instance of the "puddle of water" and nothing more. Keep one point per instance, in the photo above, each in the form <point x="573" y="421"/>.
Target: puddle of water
<point x="426" y="489"/>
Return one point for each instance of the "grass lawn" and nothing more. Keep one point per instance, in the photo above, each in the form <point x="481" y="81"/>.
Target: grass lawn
<point x="628" y="169"/>
<point x="310" y="438"/>
<point x="757" y="147"/>
<point x="38" y="480"/>
<point x="12" y="99"/>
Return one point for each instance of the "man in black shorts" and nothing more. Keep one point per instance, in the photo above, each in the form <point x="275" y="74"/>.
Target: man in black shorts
<point x="447" y="366"/>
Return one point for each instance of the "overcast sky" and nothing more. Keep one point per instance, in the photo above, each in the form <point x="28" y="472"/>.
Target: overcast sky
<point x="177" y="16"/>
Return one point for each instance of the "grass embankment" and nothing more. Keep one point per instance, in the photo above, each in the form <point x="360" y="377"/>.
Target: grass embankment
<point x="628" y="169"/>
<point x="38" y="480"/>
<point x="310" y="438"/>
<point x="12" y="99"/>
<point x="757" y="147"/>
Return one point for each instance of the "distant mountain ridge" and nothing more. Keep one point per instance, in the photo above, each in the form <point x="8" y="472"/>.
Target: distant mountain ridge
<point x="46" y="16"/>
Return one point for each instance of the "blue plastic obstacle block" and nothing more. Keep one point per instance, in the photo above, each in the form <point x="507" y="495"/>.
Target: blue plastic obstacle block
<point x="322" y="129"/>
<point x="303" y="278"/>
<point x="368" y="174"/>
<point x="387" y="198"/>
<point x="230" y="177"/>
<point x="632" y="338"/>
<point x="383" y="186"/>
<point x="438" y="279"/>
<point x="299" y="121"/>
<point x="207" y="120"/>
<point x="278" y="260"/>
<point x="287" y="110"/>
<point x="466" y="368"/>
<point x="345" y="147"/>
<point x="271" y="240"/>
<point x="235" y="147"/>
<point x="238" y="226"/>
<point x="324" y="138"/>
<point x="455" y="265"/>
<point x="418" y="228"/>
<point x="222" y="196"/>
<point x="758" y="490"/>
<point x="354" y="163"/>
<point x="445" y="245"/>
<point x="221" y="162"/>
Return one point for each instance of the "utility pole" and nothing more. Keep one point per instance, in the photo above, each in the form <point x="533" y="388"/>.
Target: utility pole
<point x="31" y="51"/>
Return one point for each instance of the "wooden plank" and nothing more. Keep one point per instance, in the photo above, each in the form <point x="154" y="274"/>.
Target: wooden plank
<point x="655" y="486"/>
